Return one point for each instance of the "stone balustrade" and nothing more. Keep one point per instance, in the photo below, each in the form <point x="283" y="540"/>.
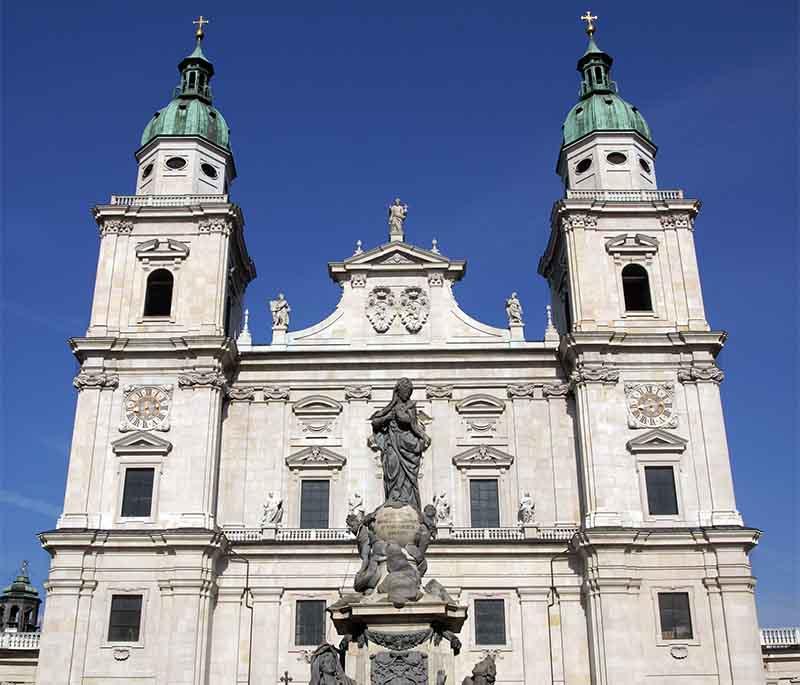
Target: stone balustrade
<point x="19" y="640"/>
<point x="777" y="638"/>
<point x="625" y="195"/>
<point x="166" y="200"/>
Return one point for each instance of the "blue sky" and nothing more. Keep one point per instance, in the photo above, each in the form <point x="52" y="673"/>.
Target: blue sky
<point x="335" y="109"/>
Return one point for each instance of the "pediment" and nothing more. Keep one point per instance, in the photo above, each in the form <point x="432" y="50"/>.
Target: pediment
<point x="142" y="442"/>
<point x="483" y="456"/>
<point x="317" y="405"/>
<point x="315" y="458"/>
<point x="632" y="244"/>
<point x="162" y="250"/>
<point x="657" y="441"/>
<point x="480" y="404"/>
<point x="397" y="257"/>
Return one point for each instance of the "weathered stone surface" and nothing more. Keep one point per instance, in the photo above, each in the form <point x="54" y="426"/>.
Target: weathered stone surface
<point x="397" y="524"/>
<point x="399" y="668"/>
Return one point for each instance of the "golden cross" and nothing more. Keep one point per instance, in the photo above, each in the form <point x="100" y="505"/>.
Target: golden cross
<point x="589" y="19"/>
<point x="200" y="33"/>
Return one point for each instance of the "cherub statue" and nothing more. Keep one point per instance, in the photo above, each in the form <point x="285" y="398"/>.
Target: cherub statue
<point x="527" y="509"/>
<point x="442" y="507"/>
<point x="280" y="312"/>
<point x="513" y="310"/>
<point x="273" y="510"/>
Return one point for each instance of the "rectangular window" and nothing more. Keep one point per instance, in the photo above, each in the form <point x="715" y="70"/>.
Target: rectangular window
<point x="484" y="503"/>
<point x="125" y="619"/>
<point x="662" y="500"/>
<point x="490" y="622"/>
<point x="676" y="619"/>
<point x="137" y="494"/>
<point x="309" y="624"/>
<point x="314" y="498"/>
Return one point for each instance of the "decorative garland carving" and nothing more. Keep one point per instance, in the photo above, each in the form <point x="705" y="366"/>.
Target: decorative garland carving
<point x="439" y="392"/>
<point x="202" y="379"/>
<point x="578" y="221"/>
<point x="587" y="374"/>
<point x="95" y="380"/>
<point x="399" y="641"/>
<point x="556" y="389"/>
<point x="242" y="394"/>
<point x="518" y="391"/>
<point x="215" y="225"/>
<point x="357" y="392"/>
<point x="678" y="220"/>
<point x="701" y="374"/>
<point x="276" y="392"/>
<point x="115" y="226"/>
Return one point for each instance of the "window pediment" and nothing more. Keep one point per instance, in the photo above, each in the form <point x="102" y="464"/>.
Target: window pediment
<point x="315" y="458"/>
<point x="482" y="457"/>
<point x="632" y="245"/>
<point x="657" y="441"/>
<point x="167" y="251"/>
<point x="142" y="443"/>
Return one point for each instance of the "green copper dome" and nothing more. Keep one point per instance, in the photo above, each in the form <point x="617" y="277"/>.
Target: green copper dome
<point x="191" y="113"/>
<point x="600" y="108"/>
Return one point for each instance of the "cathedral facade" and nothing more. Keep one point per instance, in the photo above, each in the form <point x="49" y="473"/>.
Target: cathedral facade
<point x="584" y="507"/>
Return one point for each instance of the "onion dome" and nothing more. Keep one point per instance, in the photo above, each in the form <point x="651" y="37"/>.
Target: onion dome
<point x="191" y="113"/>
<point x="600" y="108"/>
<point x="19" y="603"/>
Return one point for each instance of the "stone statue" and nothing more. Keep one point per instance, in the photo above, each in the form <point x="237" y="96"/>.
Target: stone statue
<point x="326" y="668"/>
<point x="442" y="508"/>
<point x="402" y="581"/>
<point x="370" y="549"/>
<point x="273" y="511"/>
<point x="513" y="310"/>
<point x="397" y="215"/>
<point x="355" y="504"/>
<point x="484" y="673"/>
<point x="527" y="510"/>
<point x="280" y="312"/>
<point x="401" y="440"/>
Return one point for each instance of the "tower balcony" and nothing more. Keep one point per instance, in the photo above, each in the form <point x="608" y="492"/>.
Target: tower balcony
<point x="625" y="195"/>
<point x="167" y="200"/>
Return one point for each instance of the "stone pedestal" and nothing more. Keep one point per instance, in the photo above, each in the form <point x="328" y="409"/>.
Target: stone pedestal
<point x="413" y="644"/>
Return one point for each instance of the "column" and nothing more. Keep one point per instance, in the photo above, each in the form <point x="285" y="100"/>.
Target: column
<point x="535" y="634"/>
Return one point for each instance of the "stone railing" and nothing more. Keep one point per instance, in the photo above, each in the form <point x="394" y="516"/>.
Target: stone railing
<point x="625" y="195"/>
<point x="778" y="638"/>
<point x="344" y="535"/>
<point x="19" y="640"/>
<point x="166" y="200"/>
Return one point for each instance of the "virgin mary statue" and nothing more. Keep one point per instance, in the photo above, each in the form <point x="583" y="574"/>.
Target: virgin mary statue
<point x="399" y="436"/>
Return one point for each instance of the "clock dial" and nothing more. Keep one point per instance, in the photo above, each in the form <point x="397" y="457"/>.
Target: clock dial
<point x="146" y="407"/>
<point x="650" y="405"/>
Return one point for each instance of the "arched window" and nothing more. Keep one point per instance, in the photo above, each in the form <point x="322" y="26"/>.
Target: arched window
<point x="636" y="289"/>
<point x="12" y="616"/>
<point x="28" y="622"/>
<point x="2" y="616"/>
<point x="158" y="296"/>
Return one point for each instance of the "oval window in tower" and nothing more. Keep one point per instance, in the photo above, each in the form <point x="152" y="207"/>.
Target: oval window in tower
<point x="147" y="171"/>
<point x="644" y="164"/>
<point x="584" y="165"/>
<point x="176" y="163"/>
<point x="208" y="170"/>
<point x="616" y="158"/>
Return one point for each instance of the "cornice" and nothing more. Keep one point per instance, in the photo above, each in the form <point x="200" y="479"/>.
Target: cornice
<point x="218" y="347"/>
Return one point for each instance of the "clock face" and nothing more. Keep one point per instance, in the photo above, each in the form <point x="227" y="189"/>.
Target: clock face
<point x="146" y="407"/>
<point x="650" y="405"/>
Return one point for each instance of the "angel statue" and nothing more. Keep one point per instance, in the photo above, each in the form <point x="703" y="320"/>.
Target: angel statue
<point x="401" y="440"/>
<point x="514" y="310"/>
<point x="280" y="312"/>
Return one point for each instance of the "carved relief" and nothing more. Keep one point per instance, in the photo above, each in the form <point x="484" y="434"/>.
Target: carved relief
<point x="588" y="374"/>
<point x="483" y="456"/>
<point x="650" y="405"/>
<point x="389" y="668"/>
<point x="678" y="220"/>
<point x="315" y="458"/>
<point x="701" y="374"/>
<point x="95" y="380"/>
<point x="578" y="221"/>
<point x="115" y="226"/>
<point x="358" y="280"/>
<point x="276" y="393"/>
<point x="242" y="394"/>
<point x="435" y="280"/>
<point x="164" y="252"/>
<point x="518" y="391"/>
<point x="632" y="245"/>
<point x="397" y="258"/>
<point x="415" y="306"/>
<point x="215" y="225"/>
<point x="482" y="417"/>
<point x="380" y="308"/>
<point x="202" y="379"/>
<point x="556" y="389"/>
<point x="316" y="416"/>
<point x="357" y="392"/>
<point x="439" y="392"/>
<point x="146" y="407"/>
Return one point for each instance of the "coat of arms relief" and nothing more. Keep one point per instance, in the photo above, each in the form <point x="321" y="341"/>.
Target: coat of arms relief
<point x="412" y="306"/>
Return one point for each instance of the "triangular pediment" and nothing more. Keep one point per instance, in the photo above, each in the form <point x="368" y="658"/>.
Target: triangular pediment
<point x="141" y="442"/>
<point x="315" y="458"/>
<point x="657" y="440"/>
<point x="632" y="243"/>
<point x="483" y="456"/>
<point x="162" y="249"/>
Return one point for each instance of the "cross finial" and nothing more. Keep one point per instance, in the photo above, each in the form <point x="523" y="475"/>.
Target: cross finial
<point x="200" y="21"/>
<point x="286" y="678"/>
<point x="24" y="568"/>
<point x="589" y="19"/>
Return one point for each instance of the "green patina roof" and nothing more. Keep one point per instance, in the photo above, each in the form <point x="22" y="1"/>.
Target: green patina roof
<point x="21" y="587"/>
<point x="600" y="108"/>
<point x="191" y="113"/>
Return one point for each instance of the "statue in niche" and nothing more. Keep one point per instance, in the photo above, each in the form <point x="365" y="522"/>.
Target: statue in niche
<point x="273" y="511"/>
<point x="484" y="673"/>
<point x="280" y="312"/>
<point x="401" y="440"/>
<point x="397" y="215"/>
<point x="355" y="504"/>
<point x="527" y="510"/>
<point x="442" y="506"/>
<point x="513" y="310"/>
<point x="326" y="667"/>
